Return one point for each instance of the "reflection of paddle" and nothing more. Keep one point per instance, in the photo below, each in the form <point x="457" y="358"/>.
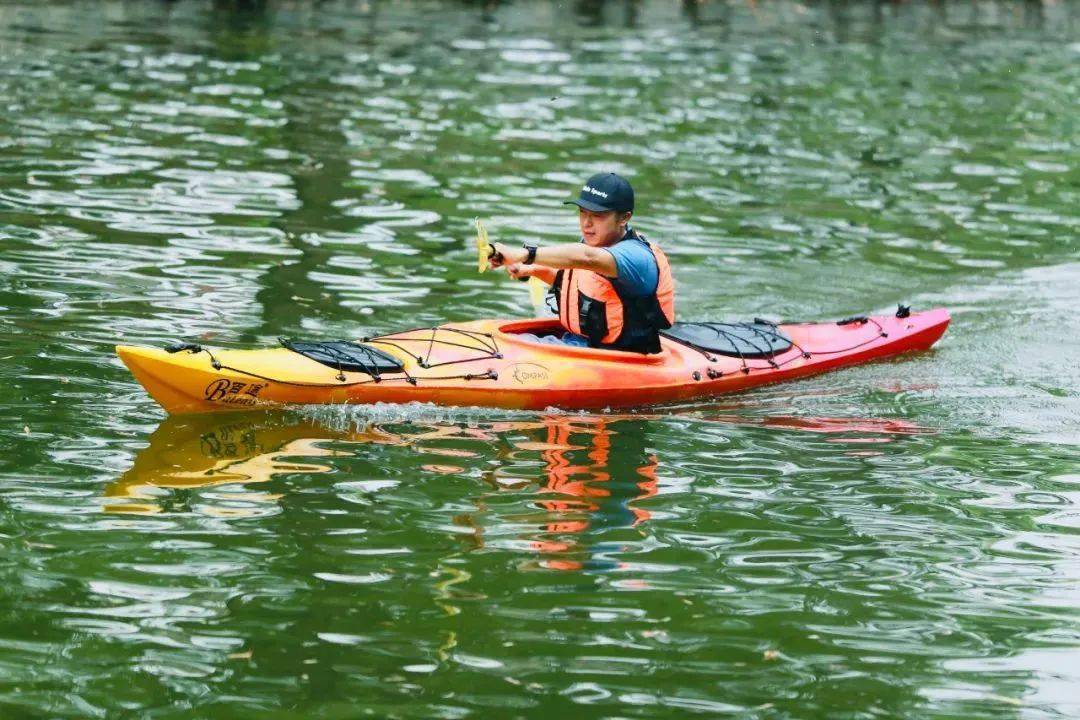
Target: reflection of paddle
<point x="484" y="255"/>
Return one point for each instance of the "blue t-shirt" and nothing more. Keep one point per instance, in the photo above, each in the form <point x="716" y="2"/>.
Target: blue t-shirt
<point x="638" y="272"/>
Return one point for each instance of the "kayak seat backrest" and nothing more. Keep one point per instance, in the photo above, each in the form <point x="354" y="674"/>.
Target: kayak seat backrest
<point x="347" y="356"/>
<point x="746" y="340"/>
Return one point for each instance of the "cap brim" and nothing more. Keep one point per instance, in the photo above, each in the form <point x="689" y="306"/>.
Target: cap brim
<point x="591" y="206"/>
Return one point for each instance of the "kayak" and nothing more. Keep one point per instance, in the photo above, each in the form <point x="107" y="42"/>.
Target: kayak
<point x="502" y="363"/>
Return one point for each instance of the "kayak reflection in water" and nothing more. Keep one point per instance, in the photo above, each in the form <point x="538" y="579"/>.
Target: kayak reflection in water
<point x="594" y="470"/>
<point x="189" y="455"/>
<point x="595" y="474"/>
<point x="613" y="289"/>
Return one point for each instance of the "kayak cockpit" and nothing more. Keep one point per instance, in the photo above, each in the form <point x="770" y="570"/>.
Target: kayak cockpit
<point x="759" y="339"/>
<point x="518" y="333"/>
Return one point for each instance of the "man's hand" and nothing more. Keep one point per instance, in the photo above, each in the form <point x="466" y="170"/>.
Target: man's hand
<point x="520" y="271"/>
<point x="507" y="255"/>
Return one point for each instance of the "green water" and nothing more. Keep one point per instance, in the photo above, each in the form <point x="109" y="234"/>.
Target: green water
<point x="897" y="540"/>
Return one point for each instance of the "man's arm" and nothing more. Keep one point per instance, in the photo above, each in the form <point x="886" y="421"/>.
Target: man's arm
<point x="577" y="256"/>
<point x="518" y="270"/>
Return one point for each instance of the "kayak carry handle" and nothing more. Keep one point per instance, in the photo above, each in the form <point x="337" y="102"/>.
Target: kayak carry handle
<point x="173" y="348"/>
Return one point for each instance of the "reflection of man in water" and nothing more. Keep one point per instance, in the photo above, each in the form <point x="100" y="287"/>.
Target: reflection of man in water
<point x="595" y="469"/>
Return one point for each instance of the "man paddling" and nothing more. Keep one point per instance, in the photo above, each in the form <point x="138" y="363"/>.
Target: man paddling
<point x="613" y="289"/>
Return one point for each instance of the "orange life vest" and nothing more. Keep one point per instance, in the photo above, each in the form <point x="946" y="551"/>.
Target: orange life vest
<point x="590" y="304"/>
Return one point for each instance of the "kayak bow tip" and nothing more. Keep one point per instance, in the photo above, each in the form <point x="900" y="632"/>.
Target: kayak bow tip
<point x="155" y="370"/>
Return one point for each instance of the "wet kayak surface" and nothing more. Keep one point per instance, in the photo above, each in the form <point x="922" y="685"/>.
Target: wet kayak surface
<point x="891" y="540"/>
<point x="496" y="364"/>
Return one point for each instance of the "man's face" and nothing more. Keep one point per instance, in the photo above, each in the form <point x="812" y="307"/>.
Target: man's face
<point x="601" y="228"/>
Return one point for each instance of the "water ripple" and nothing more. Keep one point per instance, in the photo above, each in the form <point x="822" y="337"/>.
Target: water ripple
<point x="896" y="540"/>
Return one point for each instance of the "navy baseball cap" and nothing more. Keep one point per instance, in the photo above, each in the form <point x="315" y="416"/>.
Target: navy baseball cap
<point x="605" y="191"/>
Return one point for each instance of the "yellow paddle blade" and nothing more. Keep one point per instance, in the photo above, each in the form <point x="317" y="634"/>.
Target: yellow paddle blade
<point x="483" y="247"/>
<point x="537" y="291"/>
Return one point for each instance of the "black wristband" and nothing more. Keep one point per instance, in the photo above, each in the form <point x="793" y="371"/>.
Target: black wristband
<point x="530" y="258"/>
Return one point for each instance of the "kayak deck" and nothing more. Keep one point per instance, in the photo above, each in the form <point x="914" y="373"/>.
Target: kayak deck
<point x="488" y="363"/>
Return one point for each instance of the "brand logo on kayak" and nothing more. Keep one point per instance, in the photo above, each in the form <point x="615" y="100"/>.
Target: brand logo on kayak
<point x="530" y="374"/>
<point x="233" y="392"/>
<point x="594" y="191"/>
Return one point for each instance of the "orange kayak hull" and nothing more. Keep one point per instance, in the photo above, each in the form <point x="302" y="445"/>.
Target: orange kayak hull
<point x="487" y="363"/>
